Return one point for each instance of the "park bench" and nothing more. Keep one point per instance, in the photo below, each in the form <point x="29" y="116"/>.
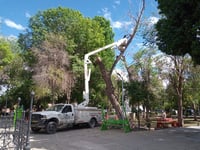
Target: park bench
<point x="166" y="122"/>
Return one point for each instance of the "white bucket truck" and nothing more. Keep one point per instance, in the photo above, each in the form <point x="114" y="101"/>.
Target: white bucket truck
<point x="63" y="116"/>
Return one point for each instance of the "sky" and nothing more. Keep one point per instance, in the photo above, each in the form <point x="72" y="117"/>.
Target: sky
<point x="15" y="14"/>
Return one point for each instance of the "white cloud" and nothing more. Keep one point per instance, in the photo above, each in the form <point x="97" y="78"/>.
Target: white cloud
<point x="117" y="2"/>
<point x="107" y="13"/>
<point x="2" y="90"/>
<point x="12" y="24"/>
<point x="115" y="24"/>
<point x="28" y="15"/>
<point x="119" y="25"/>
<point x="140" y="45"/>
<point x="153" y="20"/>
<point x="120" y="74"/>
<point x="12" y="37"/>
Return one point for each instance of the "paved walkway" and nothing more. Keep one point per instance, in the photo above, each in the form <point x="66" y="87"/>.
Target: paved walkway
<point x="194" y="127"/>
<point x="116" y="139"/>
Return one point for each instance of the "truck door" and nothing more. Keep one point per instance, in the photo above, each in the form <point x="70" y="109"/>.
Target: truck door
<point x="68" y="114"/>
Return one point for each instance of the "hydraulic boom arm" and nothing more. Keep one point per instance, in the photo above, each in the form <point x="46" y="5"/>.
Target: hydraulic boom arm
<point x="87" y="71"/>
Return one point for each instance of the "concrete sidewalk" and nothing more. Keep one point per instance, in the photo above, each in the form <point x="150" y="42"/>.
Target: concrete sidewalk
<point x="194" y="127"/>
<point x="116" y="139"/>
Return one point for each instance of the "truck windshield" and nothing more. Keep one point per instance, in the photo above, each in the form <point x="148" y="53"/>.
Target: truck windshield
<point x="55" y="108"/>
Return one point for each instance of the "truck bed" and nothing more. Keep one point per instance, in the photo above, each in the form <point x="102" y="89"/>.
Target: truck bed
<point x="85" y="114"/>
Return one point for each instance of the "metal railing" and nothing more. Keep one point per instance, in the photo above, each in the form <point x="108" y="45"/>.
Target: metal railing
<point x="13" y="132"/>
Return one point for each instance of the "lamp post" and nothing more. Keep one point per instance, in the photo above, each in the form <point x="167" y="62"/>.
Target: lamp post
<point x="17" y="111"/>
<point x="28" y="147"/>
<point x="6" y="105"/>
<point x="16" y="120"/>
<point x="19" y="100"/>
<point x="7" y="101"/>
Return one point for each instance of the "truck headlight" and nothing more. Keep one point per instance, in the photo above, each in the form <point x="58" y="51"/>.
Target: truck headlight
<point x="43" y="117"/>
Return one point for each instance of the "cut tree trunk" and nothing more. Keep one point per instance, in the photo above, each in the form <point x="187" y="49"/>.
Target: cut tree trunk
<point x="110" y="89"/>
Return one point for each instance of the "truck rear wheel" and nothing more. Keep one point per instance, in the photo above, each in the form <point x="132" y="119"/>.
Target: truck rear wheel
<point x="51" y="127"/>
<point x="92" y="123"/>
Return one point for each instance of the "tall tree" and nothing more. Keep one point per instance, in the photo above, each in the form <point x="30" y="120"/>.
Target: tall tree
<point x="179" y="28"/>
<point x="13" y="73"/>
<point x="6" y="54"/>
<point x="191" y="90"/>
<point x="106" y="73"/>
<point x="177" y="68"/>
<point x="172" y="69"/>
<point x="146" y="71"/>
<point x="6" y="58"/>
<point x="52" y="71"/>
<point x="81" y="36"/>
<point x="137" y="94"/>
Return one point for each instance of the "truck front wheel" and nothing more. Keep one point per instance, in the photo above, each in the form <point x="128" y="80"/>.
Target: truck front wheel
<point x="35" y="130"/>
<point x="92" y="123"/>
<point x="51" y="127"/>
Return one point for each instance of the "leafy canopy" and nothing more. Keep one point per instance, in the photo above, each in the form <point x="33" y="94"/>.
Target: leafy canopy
<point x="6" y="54"/>
<point x="179" y="28"/>
<point x="81" y="35"/>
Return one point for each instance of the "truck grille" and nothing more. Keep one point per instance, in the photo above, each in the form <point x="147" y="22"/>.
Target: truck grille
<point x="36" y="117"/>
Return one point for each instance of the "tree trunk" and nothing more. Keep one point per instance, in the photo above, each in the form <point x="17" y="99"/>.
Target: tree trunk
<point x="110" y="89"/>
<point x="180" y="111"/>
<point x="177" y="81"/>
<point x="138" y="114"/>
<point x="107" y="75"/>
<point x="147" y="108"/>
<point x="195" y="111"/>
<point x="179" y="90"/>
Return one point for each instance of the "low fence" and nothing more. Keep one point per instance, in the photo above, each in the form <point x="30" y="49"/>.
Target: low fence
<point x="13" y="132"/>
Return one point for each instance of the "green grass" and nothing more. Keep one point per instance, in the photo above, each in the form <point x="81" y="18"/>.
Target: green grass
<point x="188" y="121"/>
<point x="191" y="122"/>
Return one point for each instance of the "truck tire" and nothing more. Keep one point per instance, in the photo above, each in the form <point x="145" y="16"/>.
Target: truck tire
<point x="51" y="127"/>
<point x="35" y="130"/>
<point x="92" y="123"/>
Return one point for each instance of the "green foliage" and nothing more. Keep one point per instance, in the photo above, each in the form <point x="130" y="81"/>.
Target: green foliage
<point x="171" y="95"/>
<point x="81" y="35"/>
<point x="191" y="88"/>
<point x="136" y="92"/>
<point x="6" y="54"/>
<point x="107" y="56"/>
<point x="17" y="78"/>
<point x="178" y="29"/>
<point x="145" y="87"/>
<point x="51" y="73"/>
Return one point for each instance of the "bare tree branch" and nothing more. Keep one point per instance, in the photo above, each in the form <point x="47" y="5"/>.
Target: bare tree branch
<point x="131" y="36"/>
<point x="106" y="75"/>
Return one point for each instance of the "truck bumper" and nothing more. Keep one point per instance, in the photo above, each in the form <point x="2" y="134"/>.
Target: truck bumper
<point x="38" y="124"/>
